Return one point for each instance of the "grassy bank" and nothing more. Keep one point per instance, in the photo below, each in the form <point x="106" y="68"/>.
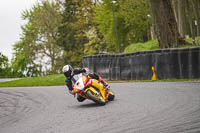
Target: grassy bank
<point x="153" y="45"/>
<point x="50" y="80"/>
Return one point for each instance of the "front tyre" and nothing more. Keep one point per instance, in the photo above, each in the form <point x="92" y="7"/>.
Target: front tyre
<point x="95" y="98"/>
<point x="111" y="95"/>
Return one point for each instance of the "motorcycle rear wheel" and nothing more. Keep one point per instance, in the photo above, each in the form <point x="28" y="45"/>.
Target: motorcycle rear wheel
<point x="93" y="98"/>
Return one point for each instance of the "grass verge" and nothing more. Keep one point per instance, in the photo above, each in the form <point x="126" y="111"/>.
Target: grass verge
<point x="59" y="79"/>
<point x="153" y="45"/>
<point x="50" y="80"/>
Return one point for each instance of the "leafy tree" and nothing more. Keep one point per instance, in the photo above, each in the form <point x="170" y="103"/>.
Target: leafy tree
<point x="72" y="30"/>
<point x="137" y="18"/>
<point x="23" y="60"/>
<point x="4" y="66"/>
<point x="110" y="23"/>
<point x="96" y="43"/>
<point x="46" y="18"/>
<point x="37" y="49"/>
<point x="123" y="22"/>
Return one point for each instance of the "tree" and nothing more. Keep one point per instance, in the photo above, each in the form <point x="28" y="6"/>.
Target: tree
<point x="96" y="43"/>
<point x="4" y="66"/>
<point x="175" y="9"/>
<point x="181" y="18"/>
<point x="46" y="19"/>
<point x="37" y="53"/>
<point x="197" y="15"/>
<point x="72" y="30"/>
<point x="23" y="61"/>
<point x="137" y="17"/>
<point x="167" y="30"/>
<point x="110" y="22"/>
<point x="190" y="20"/>
<point x="123" y="22"/>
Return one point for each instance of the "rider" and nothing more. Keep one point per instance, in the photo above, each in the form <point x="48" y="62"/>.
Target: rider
<point x="69" y="72"/>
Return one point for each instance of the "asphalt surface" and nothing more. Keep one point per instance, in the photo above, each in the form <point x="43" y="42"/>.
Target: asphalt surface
<point x="150" y="107"/>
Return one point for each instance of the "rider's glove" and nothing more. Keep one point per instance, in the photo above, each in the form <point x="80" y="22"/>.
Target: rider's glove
<point x="71" y="92"/>
<point x="106" y="86"/>
<point x="87" y="70"/>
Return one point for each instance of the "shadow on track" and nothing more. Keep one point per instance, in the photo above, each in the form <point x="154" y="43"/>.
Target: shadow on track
<point x="93" y="105"/>
<point x="89" y="105"/>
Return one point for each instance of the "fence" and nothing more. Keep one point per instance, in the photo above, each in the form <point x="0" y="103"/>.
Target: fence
<point x="168" y="64"/>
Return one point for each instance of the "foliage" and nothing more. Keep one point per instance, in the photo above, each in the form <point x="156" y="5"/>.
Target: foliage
<point x="3" y="62"/>
<point x="129" y="17"/>
<point x="135" y="47"/>
<point x="61" y="32"/>
<point x="37" y="49"/>
<point x="96" y="43"/>
<point x="137" y="18"/>
<point x="45" y="19"/>
<point x="197" y="43"/>
<point x="4" y="66"/>
<point x="110" y="24"/>
<point x="21" y="64"/>
<point x="153" y="45"/>
<point x="72" y="30"/>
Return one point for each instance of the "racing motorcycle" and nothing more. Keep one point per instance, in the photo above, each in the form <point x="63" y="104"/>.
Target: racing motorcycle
<point x="91" y="89"/>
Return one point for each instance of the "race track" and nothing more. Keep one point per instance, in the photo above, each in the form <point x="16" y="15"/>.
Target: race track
<point x="149" y="107"/>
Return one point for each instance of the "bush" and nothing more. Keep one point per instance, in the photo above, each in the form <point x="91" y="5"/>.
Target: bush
<point x="150" y="45"/>
<point x="153" y="45"/>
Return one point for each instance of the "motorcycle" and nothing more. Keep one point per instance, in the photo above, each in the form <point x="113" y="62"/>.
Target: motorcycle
<point x="91" y="89"/>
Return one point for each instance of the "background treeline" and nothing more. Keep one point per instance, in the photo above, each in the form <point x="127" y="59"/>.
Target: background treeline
<point x="59" y="32"/>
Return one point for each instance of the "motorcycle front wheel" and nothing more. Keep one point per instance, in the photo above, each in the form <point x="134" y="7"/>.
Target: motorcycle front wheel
<point x="95" y="98"/>
<point x="111" y="95"/>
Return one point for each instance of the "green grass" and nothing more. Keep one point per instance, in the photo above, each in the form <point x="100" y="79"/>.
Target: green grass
<point x="153" y="45"/>
<point x="59" y="79"/>
<point x="150" y="45"/>
<point x="50" y="80"/>
<point x="197" y="41"/>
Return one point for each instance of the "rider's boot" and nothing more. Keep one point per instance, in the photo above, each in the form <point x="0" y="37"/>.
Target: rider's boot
<point x="105" y="84"/>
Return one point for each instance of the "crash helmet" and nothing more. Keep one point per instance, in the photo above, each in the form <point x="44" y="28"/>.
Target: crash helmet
<point x="67" y="70"/>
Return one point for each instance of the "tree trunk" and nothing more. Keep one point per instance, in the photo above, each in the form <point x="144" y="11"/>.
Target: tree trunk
<point x="153" y="27"/>
<point x="175" y="9"/>
<point x="167" y="30"/>
<point x="196" y="12"/>
<point x="152" y="32"/>
<point x="181" y="18"/>
<point x="190" y="21"/>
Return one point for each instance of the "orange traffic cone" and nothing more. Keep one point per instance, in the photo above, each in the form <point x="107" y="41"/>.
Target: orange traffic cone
<point x="153" y="74"/>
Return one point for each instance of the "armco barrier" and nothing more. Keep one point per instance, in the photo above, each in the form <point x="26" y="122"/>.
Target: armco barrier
<point x="168" y="64"/>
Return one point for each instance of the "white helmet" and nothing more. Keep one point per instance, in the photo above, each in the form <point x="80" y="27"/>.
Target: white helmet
<point x="67" y="70"/>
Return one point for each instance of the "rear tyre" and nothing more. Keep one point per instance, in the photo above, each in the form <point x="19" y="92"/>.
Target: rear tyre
<point x="93" y="98"/>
